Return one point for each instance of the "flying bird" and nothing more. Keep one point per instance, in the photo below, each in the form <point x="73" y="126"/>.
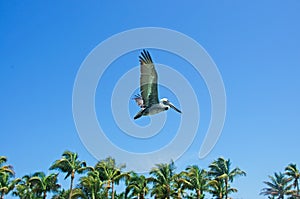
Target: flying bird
<point x="148" y="99"/>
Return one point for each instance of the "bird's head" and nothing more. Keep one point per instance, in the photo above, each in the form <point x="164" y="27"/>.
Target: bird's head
<point x="167" y="103"/>
<point x="164" y="100"/>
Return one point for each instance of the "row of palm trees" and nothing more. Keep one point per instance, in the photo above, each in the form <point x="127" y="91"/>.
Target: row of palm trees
<point x="283" y="184"/>
<point x="99" y="181"/>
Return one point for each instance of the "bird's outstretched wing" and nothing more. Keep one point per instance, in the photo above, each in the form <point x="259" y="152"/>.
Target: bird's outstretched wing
<point x="148" y="80"/>
<point x="139" y="101"/>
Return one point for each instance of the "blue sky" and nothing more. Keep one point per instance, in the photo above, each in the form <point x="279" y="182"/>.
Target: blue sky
<point x="255" y="45"/>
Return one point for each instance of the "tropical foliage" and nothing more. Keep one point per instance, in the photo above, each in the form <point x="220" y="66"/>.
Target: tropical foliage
<point x="137" y="186"/>
<point x="222" y="175"/>
<point x="69" y="164"/>
<point x="107" y="179"/>
<point x="294" y="175"/>
<point x="6" y="172"/>
<point x="163" y="176"/>
<point x="283" y="185"/>
<point x="110" y="173"/>
<point x="277" y="186"/>
<point x="41" y="184"/>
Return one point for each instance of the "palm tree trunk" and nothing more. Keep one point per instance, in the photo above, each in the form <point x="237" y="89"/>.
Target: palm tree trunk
<point x="297" y="185"/>
<point x="198" y="194"/>
<point x="113" y="191"/>
<point x="169" y="191"/>
<point x="45" y="195"/>
<point x="226" y="188"/>
<point x="71" y="184"/>
<point x="2" y="195"/>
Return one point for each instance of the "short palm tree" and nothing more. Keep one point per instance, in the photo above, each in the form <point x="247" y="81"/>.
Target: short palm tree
<point x="5" y="168"/>
<point x="163" y="178"/>
<point x="179" y="187"/>
<point x="23" y="189"/>
<point x="221" y="171"/>
<point x="61" y="194"/>
<point x="277" y="186"/>
<point x="120" y="195"/>
<point x="6" y="185"/>
<point x="292" y="171"/>
<point x="217" y="188"/>
<point x="137" y="185"/>
<point x="69" y="164"/>
<point x="196" y="179"/>
<point x="91" y="185"/>
<point x="111" y="173"/>
<point x="42" y="184"/>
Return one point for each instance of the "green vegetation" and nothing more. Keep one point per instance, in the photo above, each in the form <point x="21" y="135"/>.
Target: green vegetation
<point x="162" y="182"/>
<point x="283" y="184"/>
<point x="69" y="164"/>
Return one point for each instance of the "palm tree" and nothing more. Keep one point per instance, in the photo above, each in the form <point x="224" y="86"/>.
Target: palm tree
<point x="137" y="185"/>
<point x="292" y="171"/>
<point x="23" y="188"/>
<point x="220" y="170"/>
<point x="278" y="186"/>
<point x="217" y="188"/>
<point x="120" y="195"/>
<point x="5" y="168"/>
<point x="42" y="184"/>
<point x="6" y="185"/>
<point x="61" y="194"/>
<point x="162" y="178"/>
<point x="179" y="186"/>
<point x="110" y="173"/>
<point x="91" y="185"/>
<point x="69" y="164"/>
<point x="196" y="179"/>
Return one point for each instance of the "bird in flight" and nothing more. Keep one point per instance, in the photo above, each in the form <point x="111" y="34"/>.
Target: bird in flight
<point x="148" y="99"/>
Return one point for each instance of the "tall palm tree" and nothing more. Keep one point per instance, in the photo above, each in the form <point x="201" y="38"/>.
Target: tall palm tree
<point x="137" y="185"/>
<point x="292" y="171"/>
<point x="220" y="170"/>
<point x="43" y="184"/>
<point x="277" y="186"/>
<point x="69" y="164"/>
<point x="6" y="185"/>
<point x="5" y="168"/>
<point x="111" y="173"/>
<point x="196" y="179"/>
<point x="162" y="178"/>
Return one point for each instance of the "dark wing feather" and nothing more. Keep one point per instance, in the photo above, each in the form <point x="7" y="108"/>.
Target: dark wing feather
<point x="148" y="80"/>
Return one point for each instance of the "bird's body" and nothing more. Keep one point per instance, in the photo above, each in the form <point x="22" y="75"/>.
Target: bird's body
<point x="148" y="101"/>
<point x="152" y="110"/>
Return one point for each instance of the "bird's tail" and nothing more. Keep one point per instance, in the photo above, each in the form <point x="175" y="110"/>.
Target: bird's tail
<point x="139" y="114"/>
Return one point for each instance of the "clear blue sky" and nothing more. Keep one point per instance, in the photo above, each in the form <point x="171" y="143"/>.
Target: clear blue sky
<point x="255" y="45"/>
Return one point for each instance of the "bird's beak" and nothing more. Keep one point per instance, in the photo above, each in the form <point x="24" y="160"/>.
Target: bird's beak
<point x="173" y="107"/>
